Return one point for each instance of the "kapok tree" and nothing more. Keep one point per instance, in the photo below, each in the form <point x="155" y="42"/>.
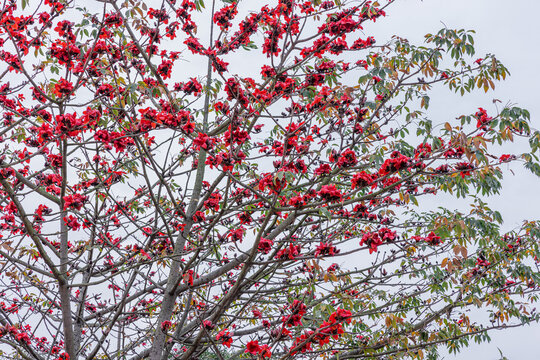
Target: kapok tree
<point x="188" y="180"/>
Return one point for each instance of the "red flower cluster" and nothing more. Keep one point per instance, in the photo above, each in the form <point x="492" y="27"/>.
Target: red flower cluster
<point x="395" y="163"/>
<point x="224" y="16"/>
<point x="63" y="88"/>
<point x="65" y="27"/>
<point x="454" y="153"/>
<point x="362" y="44"/>
<point x="333" y="328"/>
<point x="18" y="334"/>
<point x="330" y="193"/>
<point x="213" y="201"/>
<point x="194" y="45"/>
<point x="265" y="245"/>
<point x="422" y="151"/>
<point x="289" y="252"/>
<point x="482" y="119"/>
<point x="347" y="159"/>
<point x="376" y="238"/>
<point x="204" y="141"/>
<point x="272" y="182"/>
<point x="165" y="68"/>
<point x="225" y="337"/>
<point x="431" y="238"/>
<point x="464" y="168"/>
<point x="166" y="325"/>
<point x="254" y="348"/>
<point x="326" y="249"/>
<point x="236" y="234"/>
<point x="65" y="52"/>
<point x="362" y="179"/>
<point x="234" y="91"/>
<point x="297" y="311"/>
<point x="75" y="201"/>
<point x="192" y="87"/>
<point x="69" y="124"/>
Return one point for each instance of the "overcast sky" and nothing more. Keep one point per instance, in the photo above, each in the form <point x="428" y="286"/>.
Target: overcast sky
<point x="511" y="31"/>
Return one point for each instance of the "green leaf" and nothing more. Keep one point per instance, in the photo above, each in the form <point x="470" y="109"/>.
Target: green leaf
<point x="324" y="211"/>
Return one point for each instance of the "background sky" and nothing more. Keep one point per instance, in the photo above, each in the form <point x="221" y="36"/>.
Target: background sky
<point x="511" y="31"/>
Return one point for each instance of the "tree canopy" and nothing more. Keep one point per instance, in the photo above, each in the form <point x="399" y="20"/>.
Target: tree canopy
<point x="236" y="179"/>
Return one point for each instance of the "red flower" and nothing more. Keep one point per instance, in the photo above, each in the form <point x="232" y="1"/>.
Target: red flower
<point x="506" y="157"/>
<point x="165" y="69"/>
<point x="464" y="168"/>
<point x="64" y="27"/>
<point x="105" y="90"/>
<point x="192" y="87"/>
<point x="253" y="347"/>
<point x="188" y="277"/>
<point x="265" y="245"/>
<point x="75" y="201"/>
<point x="341" y="315"/>
<point x="433" y="239"/>
<point x="374" y="239"/>
<point x="347" y="159"/>
<point x="289" y="252"/>
<point x="63" y="88"/>
<point x="302" y="343"/>
<point x="225" y="337"/>
<point x="274" y="183"/>
<point x="44" y="18"/>
<point x="199" y="216"/>
<point x="265" y="351"/>
<point x="113" y="19"/>
<point x="213" y="201"/>
<point x="323" y="170"/>
<point x="482" y="119"/>
<point x="330" y="193"/>
<point x="297" y="201"/>
<point x="203" y="141"/>
<point x="326" y="249"/>
<point x="194" y="45"/>
<point x="160" y="15"/>
<point x="224" y="16"/>
<point x="237" y="234"/>
<point x="72" y="222"/>
<point x="422" y="151"/>
<point x="189" y="127"/>
<point x="166" y="325"/>
<point x="362" y="179"/>
<point x="63" y="356"/>
<point x="208" y="325"/>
